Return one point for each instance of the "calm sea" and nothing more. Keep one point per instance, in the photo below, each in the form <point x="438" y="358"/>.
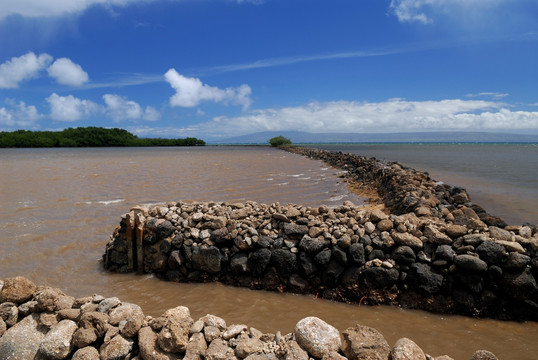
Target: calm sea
<point x="502" y="178"/>
<point x="58" y="208"/>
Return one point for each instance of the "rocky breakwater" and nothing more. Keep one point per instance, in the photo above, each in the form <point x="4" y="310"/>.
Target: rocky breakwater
<point x="451" y="262"/>
<point x="40" y="322"/>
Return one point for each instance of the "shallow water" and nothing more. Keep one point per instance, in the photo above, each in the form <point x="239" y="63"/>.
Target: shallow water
<point x="59" y="206"/>
<point x="502" y="178"/>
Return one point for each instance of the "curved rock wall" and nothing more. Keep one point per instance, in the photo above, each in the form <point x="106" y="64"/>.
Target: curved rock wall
<point x="453" y="264"/>
<point x="40" y="322"/>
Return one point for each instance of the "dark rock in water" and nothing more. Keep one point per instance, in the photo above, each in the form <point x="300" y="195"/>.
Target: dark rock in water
<point x="284" y="261"/>
<point x="520" y="285"/>
<point x="323" y="258"/>
<point x="423" y="279"/>
<point x="403" y="255"/>
<point x="206" y="258"/>
<point x="379" y="278"/>
<point x="470" y="263"/>
<point x="258" y="261"/>
<point x="356" y="253"/>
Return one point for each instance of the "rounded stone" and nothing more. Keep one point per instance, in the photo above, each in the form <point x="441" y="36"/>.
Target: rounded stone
<point x="17" y="290"/>
<point x="317" y="337"/>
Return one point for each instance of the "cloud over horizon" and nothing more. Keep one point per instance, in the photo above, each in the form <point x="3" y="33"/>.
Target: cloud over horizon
<point x="191" y="92"/>
<point x="119" y="108"/>
<point x="393" y="115"/>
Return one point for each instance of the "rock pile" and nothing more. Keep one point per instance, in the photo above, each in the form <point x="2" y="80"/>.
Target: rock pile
<point x="452" y="264"/>
<point x="40" y="322"/>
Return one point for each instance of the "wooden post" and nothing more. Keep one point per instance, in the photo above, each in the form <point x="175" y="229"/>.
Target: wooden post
<point x="130" y="218"/>
<point x="140" y="220"/>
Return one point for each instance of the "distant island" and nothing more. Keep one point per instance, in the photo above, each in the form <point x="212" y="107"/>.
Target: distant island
<point x="86" y="137"/>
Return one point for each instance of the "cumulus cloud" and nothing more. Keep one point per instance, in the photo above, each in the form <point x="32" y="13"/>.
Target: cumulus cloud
<point x="119" y="108"/>
<point x="191" y="91"/>
<point x="21" y="68"/>
<point x="394" y="115"/>
<point x="70" y="108"/>
<point x="67" y="72"/>
<point x="45" y="8"/>
<point x="18" y="115"/>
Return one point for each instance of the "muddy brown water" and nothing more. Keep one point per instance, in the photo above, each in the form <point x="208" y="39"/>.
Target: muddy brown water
<point x="59" y="206"/>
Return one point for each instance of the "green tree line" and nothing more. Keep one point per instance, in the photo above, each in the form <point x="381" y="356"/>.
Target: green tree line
<point x="86" y="137"/>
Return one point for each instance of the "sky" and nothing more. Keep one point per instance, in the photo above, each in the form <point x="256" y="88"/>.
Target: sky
<point x="214" y="69"/>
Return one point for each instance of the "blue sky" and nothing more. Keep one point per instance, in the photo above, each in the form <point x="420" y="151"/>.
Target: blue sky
<point x="219" y="68"/>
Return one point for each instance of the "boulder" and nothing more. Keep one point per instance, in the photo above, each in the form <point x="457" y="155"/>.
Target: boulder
<point x="116" y="349"/>
<point x="11" y="346"/>
<point x="219" y="350"/>
<point x="311" y="245"/>
<point x="379" y="277"/>
<point x="356" y="253"/>
<point x="258" y="261"/>
<point x="491" y="252"/>
<point x="423" y="279"/>
<point x="17" y="290"/>
<point x="363" y="342"/>
<point x="206" y="258"/>
<point x="403" y="255"/>
<point x="174" y="335"/>
<point x="499" y="234"/>
<point x="455" y="231"/>
<point x="407" y="240"/>
<point x="483" y="355"/>
<point x="9" y="314"/>
<point x="86" y="353"/>
<point x="147" y="345"/>
<point x="196" y="347"/>
<point x="378" y="215"/>
<point x="406" y="349"/>
<point x="292" y="351"/>
<point x="248" y="346"/>
<point x="470" y="263"/>
<point x="284" y="261"/>
<point x="57" y="344"/>
<point x="316" y="336"/>
<point x="436" y="237"/>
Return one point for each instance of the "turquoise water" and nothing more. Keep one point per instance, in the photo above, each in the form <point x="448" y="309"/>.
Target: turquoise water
<point x="502" y="178"/>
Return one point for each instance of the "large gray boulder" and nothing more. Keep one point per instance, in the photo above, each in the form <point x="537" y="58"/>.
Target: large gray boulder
<point x="317" y="337"/>
<point x="11" y="346"/>
<point x="58" y="342"/>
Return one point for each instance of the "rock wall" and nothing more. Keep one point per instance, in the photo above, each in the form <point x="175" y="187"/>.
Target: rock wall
<point x="40" y="322"/>
<point x="429" y="248"/>
<point x="347" y="254"/>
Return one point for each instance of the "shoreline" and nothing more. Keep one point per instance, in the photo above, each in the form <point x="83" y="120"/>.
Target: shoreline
<point x="55" y="325"/>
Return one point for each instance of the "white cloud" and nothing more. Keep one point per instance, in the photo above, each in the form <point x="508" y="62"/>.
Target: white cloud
<point x="21" y="68"/>
<point x="119" y="108"/>
<point x="18" y="115"/>
<point x="395" y="115"/>
<point x="70" y="108"/>
<point x="67" y="72"/>
<point x="44" y="8"/>
<point x="492" y="95"/>
<point x="191" y="91"/>
<point x="423" y="11"/>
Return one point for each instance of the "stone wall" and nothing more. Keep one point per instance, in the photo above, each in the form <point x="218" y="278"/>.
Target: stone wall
<point x="40" y="322"/>
<point x="348" y="254"/>
<point x="424" y="245"/>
